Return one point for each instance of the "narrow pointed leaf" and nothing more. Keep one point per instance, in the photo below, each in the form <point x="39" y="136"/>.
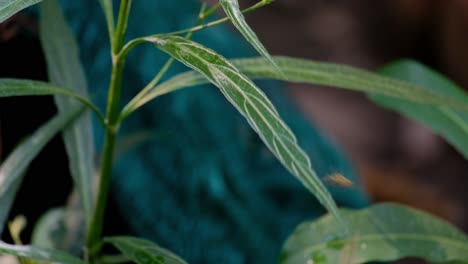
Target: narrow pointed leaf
<point x="311" y="72"/>
<point x="450" y="123"/>
<point x="232" y="9"/>
<point x="14" y="167"/>
<point x="253" y="104"/>
<point x="23" y="87"/>
<point x="107" y="7"/>
<point x="343" y="76"/>
<point x="10" y="7"/>
<point x="35" y="253"/>
<point x="65" y="70"/>
<point x="143" y="251"/>
<point x="383" y="232"/>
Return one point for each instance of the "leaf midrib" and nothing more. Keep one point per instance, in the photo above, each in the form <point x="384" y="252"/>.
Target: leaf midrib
<point x="316" y="186"/>
<point x="276" y="135"/>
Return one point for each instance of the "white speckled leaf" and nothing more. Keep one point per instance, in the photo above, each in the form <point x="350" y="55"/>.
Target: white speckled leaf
<point x="253" y="104"/>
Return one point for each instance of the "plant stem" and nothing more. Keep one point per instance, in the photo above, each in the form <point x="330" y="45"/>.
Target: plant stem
<point x="94" y="230"/>
<point x="113" y="97"/>
<point x="135" y="42"/>
<point x="97" y="221"/>
<point x="121" y="28"/>
<point x="202" y="15"/>
<point x="217" y="22"/>
<point x="119" y="52"/>
<point x="96" y="225"/>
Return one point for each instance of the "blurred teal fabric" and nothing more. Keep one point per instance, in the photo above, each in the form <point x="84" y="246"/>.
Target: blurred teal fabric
<point x="204" y="186"/>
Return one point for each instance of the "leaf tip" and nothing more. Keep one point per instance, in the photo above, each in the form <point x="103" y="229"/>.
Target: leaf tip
<point x="277" y="68"/>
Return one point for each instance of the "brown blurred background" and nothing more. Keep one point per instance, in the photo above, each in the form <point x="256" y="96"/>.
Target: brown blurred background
<point x="399" y="160"/>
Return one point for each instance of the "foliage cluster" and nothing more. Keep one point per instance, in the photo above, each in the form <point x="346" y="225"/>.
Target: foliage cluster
<point x="382" y="232"/>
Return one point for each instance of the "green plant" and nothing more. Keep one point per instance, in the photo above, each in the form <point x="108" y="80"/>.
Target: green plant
<point x="376" y="233"/>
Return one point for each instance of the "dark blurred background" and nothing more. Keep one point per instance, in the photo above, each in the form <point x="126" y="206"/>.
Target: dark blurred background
<point x="398" y="159"/>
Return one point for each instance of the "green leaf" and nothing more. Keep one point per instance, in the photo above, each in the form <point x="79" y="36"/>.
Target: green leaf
<point x="143" y="251"/>
<point x="35" y="253"/>
<point x="10" y="7"/>
<point x="23" y="87"/>
<point x="14" y="167"/>
<point x="65" y="70"/>
<point x="253" y="104"/>
<point x="343" y="76"/>
<point x="383" y="232"/>
<point x="450" y="123"/>
<point x="311" y="72"/>
<point x="107" y="7"/>
<point x="232" y="9"/>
